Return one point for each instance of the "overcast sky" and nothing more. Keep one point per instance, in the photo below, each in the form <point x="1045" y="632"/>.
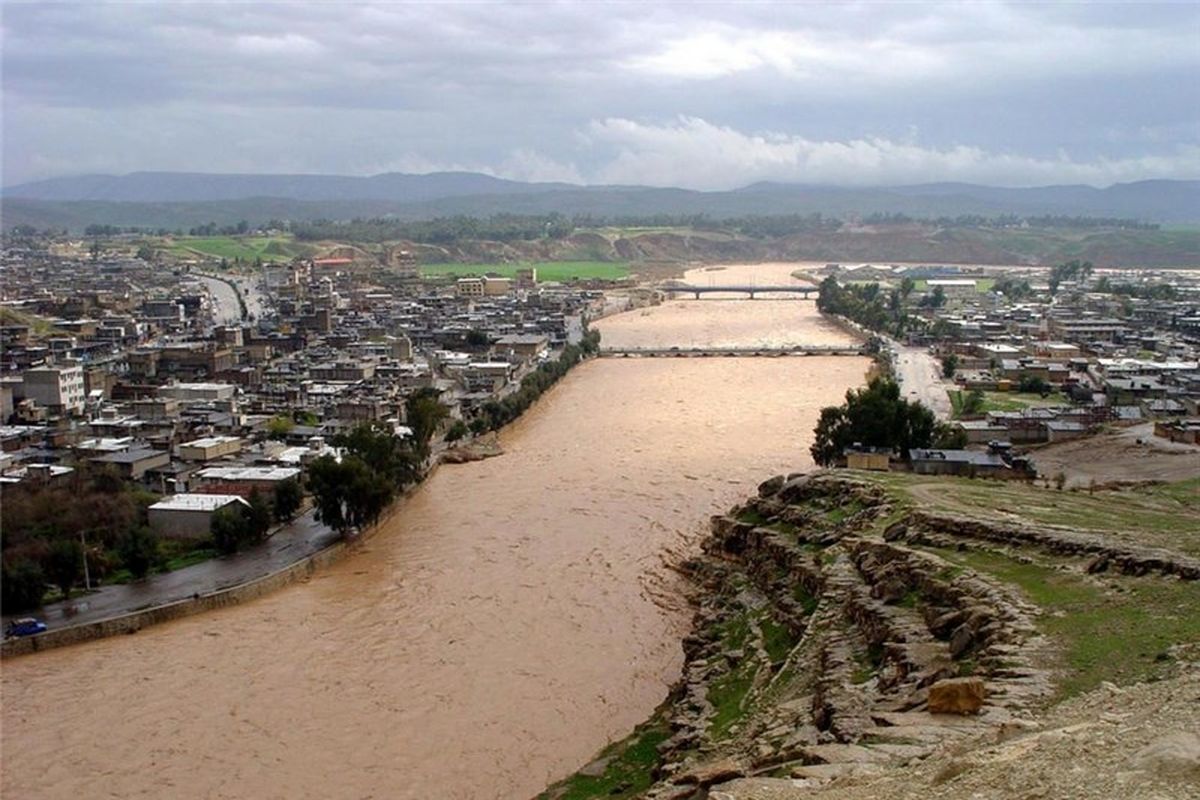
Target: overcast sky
<point x="706" y="96"/>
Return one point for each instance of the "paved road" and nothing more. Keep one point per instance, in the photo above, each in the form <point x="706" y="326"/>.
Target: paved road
<point x="226" y="309"/>
<point x="920" y="377"/>
<point x="287" y="546"/>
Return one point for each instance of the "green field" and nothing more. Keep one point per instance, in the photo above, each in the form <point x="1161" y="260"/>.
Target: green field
<point x="247" y="248"/>
<point x="1009" y="401"/>
<point x="560" y="271"/>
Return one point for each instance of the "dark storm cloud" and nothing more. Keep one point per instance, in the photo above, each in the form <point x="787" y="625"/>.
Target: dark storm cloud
<point x="697" y="95"/>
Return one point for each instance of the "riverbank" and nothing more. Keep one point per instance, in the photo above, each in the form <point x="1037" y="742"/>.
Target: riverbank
<point x="841" y="615"/>
<point x="516" y="615"/>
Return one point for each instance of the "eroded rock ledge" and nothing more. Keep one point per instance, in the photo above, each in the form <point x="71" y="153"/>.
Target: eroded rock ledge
<point x="830" y="637"/>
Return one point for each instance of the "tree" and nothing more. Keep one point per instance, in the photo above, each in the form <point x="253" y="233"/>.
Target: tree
<point x="477" y="339"/>
<point x="949" y="365"/>
<point x="384" y="453"/>
<point x="288" y="496"/>
<point x="972" y="402"/>
<point x="279" y="426"/>
<point x="258" y="517"/>
<point x="22" y="585"/>
<point x="230" y="528"/>
<point x="1034" y="384"/>
<point x="935" y="299"/>
<point x="64" y="563"/>
<point x="457" y="431"/>
<point x="347" y="493"/>
<point x="138" y="550"/>
<point x="423" y="413"/>
<point x="872" y="417"/>
<point x="949" y="437"/>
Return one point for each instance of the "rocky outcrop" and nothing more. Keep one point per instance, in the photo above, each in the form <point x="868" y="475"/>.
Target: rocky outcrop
<point x="837" y="634"/>
<point x="821" y="649"/>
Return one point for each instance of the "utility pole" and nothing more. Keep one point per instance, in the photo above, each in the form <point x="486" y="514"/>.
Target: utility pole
<point x="87" y="578"/>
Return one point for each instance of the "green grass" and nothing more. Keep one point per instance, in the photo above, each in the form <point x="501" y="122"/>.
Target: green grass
<point x="727" y="696"/>
<point x="559" y="271"/>
<point x="1007" y="401"/>
<point x="777" y="639"/>
<point x="246" y="248"/>
<point x="1165" y="515"/>
<point x="752" y="517"/>
<point x="628" y="773"/>
<point x="836" y="515"/>
<point x="1117" y="630"/>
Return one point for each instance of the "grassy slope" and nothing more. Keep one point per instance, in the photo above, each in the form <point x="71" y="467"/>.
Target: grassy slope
<point x="1112" y="627"/>
<point x="246" y="248"/>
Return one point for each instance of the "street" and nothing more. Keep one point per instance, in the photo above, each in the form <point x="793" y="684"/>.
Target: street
<point x="301" y="538"/>
<point x="920" y="377"/>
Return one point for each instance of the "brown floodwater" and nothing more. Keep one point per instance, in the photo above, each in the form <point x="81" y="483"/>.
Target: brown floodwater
<point x="510" y="619"/>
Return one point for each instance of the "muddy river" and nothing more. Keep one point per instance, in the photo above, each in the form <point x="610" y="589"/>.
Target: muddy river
<point x="511" y="618"/>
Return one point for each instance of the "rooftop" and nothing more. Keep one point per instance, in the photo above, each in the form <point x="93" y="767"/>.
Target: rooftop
<point x="196" y="502"/>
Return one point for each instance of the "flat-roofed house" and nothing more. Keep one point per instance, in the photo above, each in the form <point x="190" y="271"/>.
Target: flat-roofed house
<point x="189" y="516"/>
<point x="210" y="448"/>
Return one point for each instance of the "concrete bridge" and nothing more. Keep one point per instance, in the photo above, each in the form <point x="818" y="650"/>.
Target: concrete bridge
<point x="696" y="291"/>
<point x="742" y="352"/>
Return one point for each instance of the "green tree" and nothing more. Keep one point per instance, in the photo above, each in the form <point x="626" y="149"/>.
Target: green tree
<point x="348" y="494"/>
<point x="973" y="402"/>
<point x="230" y="528"/>
<point x="138" y="551"/>
<point x="1035" y="385"/>
<point x="64" y="564"/>
<point x="384" y="453"/>
<point x="288" y="497"/>
<point x="424" y="413"/>
<point x="258" y="517"/>
<point x="949" y="437"/>
<point x="949" y="365"/>
<point x="457" y="431"/>
<point x="279" y="426"/>
<point x="873" y="417"/>
<point x="477" y="339"/>
<point x="22" y="586"/>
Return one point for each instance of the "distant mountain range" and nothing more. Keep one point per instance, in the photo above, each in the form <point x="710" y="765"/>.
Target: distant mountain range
<point x="181" y="199"/>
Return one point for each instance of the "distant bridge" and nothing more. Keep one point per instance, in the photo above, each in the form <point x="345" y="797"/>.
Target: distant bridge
<point x="718" y="352"/>
<point x="687" y="288"/>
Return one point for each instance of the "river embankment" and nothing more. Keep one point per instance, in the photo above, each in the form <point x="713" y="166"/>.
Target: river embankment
<point x="513" y="616"/>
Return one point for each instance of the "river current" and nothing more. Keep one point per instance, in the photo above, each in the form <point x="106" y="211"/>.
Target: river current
<point x="511" y="618"/>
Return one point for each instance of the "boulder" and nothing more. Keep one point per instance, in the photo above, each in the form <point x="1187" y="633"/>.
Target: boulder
<point x="957" y="696"/>
<point x="705" y="775"/>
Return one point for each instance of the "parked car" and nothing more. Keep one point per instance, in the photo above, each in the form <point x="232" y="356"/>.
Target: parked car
<point x="26" y="626"/>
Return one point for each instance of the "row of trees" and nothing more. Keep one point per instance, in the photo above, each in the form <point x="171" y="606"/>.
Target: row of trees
<point x="441" y="230"/>
<point x="495" y="414"/>
<point x="867" y="304"/>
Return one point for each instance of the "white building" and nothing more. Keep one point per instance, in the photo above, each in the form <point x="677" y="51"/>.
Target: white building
<point x="59" y="389"/>
<point x="189" y="516"/>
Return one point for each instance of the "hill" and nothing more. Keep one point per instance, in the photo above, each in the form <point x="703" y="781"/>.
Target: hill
<point x="169" y="199"/>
